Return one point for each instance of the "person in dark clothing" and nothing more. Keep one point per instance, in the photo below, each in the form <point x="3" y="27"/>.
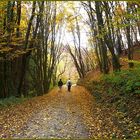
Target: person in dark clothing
<point x="60" y="84"/>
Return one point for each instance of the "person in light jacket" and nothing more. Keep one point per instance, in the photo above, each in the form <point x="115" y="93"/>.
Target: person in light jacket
<point x="69" y="84"/>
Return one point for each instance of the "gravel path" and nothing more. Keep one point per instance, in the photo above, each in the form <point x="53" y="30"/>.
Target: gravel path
<point x="61" y="118"/>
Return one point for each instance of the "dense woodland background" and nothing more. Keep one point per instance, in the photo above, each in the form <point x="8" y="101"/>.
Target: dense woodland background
<point x="32" y="46"/>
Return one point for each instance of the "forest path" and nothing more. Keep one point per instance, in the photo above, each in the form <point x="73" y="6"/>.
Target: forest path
<point x="59" y="114"/>
<point x="62" y="117"/>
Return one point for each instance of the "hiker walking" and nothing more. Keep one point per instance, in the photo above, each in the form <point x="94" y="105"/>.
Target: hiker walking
<point x="60" y="84"/>
<point x="69" y="84"/>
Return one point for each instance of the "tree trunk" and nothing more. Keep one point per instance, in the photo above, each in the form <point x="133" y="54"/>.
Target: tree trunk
<point x="103" y="48"/>
<point x="25" y="57"/>
<point x="128" y="36"/>
<point x="18" y="18"/>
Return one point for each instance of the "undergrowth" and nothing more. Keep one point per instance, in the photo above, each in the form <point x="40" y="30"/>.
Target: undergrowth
<point x="125" y="82"/>
<point x="11" y="101"/>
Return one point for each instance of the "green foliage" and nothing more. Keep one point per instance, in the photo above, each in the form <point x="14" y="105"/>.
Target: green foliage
<point x="10" y="101"/>
<point x="125" y="82"/>
<point x="110" y="91"/>
<point x="114" y="79"/>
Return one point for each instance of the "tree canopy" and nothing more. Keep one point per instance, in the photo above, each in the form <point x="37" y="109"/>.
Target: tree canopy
<point x="38" y="36"/>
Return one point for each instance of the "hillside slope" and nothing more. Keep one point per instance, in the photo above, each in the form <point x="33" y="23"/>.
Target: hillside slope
<point x="119" y="91"/>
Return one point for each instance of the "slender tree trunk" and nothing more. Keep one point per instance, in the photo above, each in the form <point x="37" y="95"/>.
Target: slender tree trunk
<point x="109" y="39"/>
<point x="104" y="56"/>
<point x="25" y="56"/>
<point x="18" y="18"/>
<point x="10" y="26"/>
<point x="128" y="36"/>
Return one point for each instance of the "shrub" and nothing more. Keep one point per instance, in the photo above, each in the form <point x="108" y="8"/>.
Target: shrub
<point x="126" y="81"/>
<point x="10" y="101"/>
